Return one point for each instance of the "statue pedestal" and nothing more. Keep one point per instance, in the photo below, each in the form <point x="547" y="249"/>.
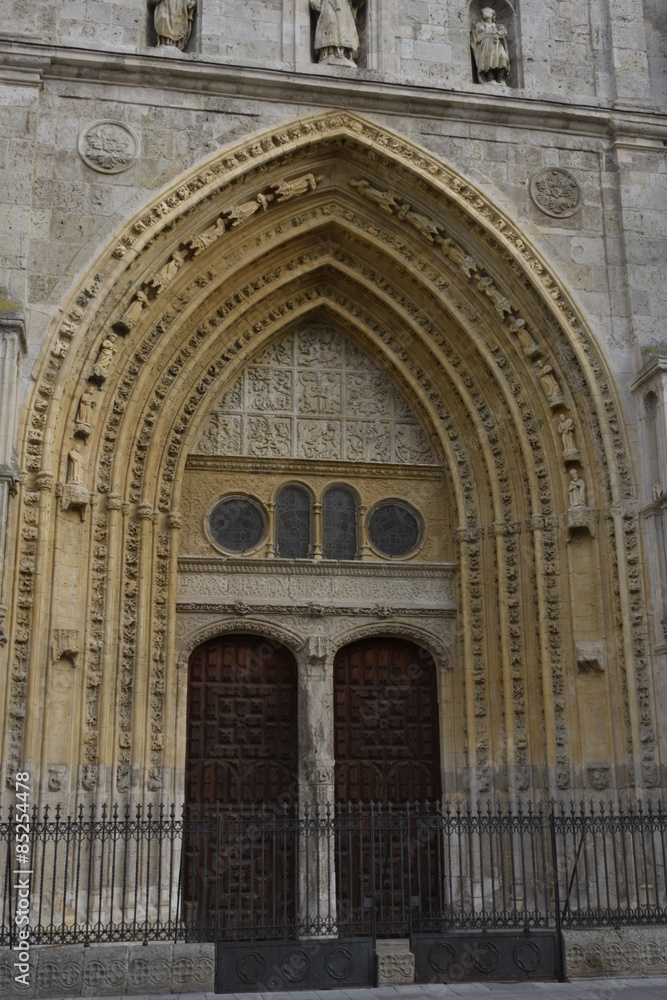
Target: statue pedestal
<point x="76" y="497"/>
<point x="582" y="519"/>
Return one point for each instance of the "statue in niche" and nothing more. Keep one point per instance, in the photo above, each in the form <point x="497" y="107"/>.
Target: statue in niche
<point x="576" y="490"/>
<point x="173" y="21"/>
<point x="489" y="48"/>
<point x="336" y="38"/>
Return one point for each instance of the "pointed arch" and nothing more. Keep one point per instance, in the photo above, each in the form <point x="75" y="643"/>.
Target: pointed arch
<point x="336" y="216"/>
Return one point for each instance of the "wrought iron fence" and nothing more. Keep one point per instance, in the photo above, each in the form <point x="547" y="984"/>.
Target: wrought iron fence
<point x="260" y="873"/>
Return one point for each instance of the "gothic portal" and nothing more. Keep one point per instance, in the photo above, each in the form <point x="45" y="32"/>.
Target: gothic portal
<point x="322" y="392"/>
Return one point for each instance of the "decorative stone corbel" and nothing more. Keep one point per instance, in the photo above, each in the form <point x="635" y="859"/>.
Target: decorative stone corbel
<point x="590" y="658"/>
<point x="582" y="519"/>
<point x="65" y="645"/>
<point x="316" y="649"/>
<point x="76" y="497"/>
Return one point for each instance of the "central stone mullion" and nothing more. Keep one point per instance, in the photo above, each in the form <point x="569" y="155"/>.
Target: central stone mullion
<point x="317" y="847"/>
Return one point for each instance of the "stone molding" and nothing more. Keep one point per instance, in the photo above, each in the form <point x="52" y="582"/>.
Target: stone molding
<point x="195" y="74"/>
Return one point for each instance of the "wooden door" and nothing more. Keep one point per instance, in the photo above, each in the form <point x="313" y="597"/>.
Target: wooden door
<point x="242" y="723"/>
<point x="241" y="768"/>
<point x="386" y="723"/>
<point x="387" y="752"/>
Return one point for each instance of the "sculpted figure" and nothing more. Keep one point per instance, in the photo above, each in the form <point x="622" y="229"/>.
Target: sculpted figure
<point x="426" y="227"/>
<point x="84" y="414"/>
<point x="125" y="322"/>
<point x="566" y="431"/>
<point x="551" y="386"/>
<point x="576" y="490"/>
<point x="336" y="38"/>
<point x="199" y="241"/>
<point x="300" y="185"/>
<point x="106" y="354"/>
<point x="489" y="47"/>
<point x="385" y="199"/>
<point x="173" y="21"/>
<point x="166" y="274"/>
<point x="75" y="467"/>
<point x="239" y="213"/>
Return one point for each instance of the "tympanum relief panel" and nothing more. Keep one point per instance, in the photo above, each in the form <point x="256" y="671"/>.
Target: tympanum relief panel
<point x="316" y="395"/>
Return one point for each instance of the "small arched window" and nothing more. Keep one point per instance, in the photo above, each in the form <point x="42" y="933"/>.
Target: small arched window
<point x="339" y="516"/>
<point x="293" y="519"/>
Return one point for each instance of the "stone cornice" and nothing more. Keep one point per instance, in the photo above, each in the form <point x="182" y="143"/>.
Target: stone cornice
<point x="328" y="568"/>
<point x="31" y="62"/>
<point x="654" y="368"/>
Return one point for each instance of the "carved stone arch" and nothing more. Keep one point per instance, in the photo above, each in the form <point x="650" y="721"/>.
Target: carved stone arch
<point x="441" y="652"/>
<point x="418" y="261"/>
<point x="263" y="627"/>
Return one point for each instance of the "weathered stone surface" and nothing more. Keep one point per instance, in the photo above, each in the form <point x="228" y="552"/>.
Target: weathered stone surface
<point x="616" y="953"/>
<point x="193" y="968"/>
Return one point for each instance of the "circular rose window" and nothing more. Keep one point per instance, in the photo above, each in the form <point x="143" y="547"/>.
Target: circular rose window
<point x="237" y="524"/>
<point x="395" y="528"/>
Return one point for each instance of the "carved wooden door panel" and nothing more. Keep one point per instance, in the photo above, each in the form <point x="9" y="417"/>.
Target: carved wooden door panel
<point x="386" y="723"/>
<point x="387" y="751"/>
<point x="241" y="751"/>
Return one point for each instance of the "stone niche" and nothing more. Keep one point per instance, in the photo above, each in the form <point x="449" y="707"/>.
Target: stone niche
<point x="507" y="16"/>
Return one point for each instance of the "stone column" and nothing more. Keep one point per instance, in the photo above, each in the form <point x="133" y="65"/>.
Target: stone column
<point x="316" y="787"/>
<point x="317" y="531"/>
<point x="12" y="348"/>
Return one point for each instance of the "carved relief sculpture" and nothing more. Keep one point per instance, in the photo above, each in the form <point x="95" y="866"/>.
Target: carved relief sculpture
<point x="199" y="241"/>
<point x="173" y="21"/>
<point x="239" y="213"/>
<point x="489" y="47"/>
<point x="166" y="274"/>
<point x="576" y="490"/>
<point x="336" y="38"/>
<point x="126" y="322"/>
<point x="285" y="190"/>
<point x="518" y="326"/>
<point x="75" y="467"/>
<point x="549" y="383"/>
<point x="566" y="431"/>
<point x="84" y="414"/>
<point x="105" y="358"/>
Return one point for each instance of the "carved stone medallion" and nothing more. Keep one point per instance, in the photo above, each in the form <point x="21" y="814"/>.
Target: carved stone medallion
<point x="108" y="146"/>
<point x="555" y="192"/>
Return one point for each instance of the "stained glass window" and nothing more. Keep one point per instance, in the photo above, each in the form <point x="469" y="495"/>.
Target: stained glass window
<point x="293" y="523"/>
<point x="237" y="524"/>
<point x="339" y="514"/>
<point x="394" y="528"/>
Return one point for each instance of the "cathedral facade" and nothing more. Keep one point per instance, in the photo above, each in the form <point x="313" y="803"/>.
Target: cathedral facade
<point x="333" y="347"/>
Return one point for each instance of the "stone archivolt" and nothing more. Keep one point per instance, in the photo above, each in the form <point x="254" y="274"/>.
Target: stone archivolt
<point x="441" y="292"/>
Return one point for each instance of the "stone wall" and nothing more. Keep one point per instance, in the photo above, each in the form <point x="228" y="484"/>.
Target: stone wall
<point x="566" y="50"/>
